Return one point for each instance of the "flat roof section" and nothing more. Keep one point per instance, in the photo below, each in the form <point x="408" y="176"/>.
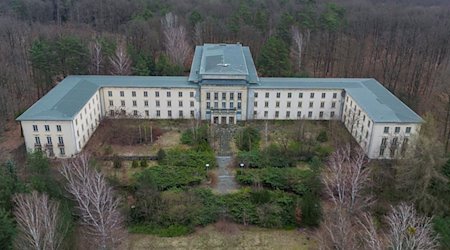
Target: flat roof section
<point x="223" y="59"/>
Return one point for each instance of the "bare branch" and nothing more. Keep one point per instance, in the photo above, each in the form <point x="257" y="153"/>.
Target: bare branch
<point x="120" y="61"/>
<point x="38" y="222"/>
<point x="176" y="42"/>
<point x="96" y="204"/>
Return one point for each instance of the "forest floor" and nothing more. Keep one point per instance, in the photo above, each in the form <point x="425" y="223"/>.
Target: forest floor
<point x="226" y="235"/>
<point x="10" y="141"/>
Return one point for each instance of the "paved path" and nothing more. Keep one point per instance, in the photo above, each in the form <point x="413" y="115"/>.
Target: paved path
<point x="225" y="176"/>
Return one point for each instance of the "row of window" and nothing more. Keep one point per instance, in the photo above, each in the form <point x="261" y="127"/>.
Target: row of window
<point x="37" y="140"/>
<point x="145" y="93"/>
<point x="224" y="95"/>
<point x="224" y="105"/>
<point x="147" y="113"/>
<point x="397" y="130"/>
<point x="299" y="104"/>
<point x="393" y="147"/>
<point x="300" y="95"/>
<point x="299" y="114"/>
<point x="146" y="103"/>
<point x="46" y="128"/>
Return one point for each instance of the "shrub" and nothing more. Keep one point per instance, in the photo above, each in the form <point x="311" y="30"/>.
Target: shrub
<point x="189" y="158"/>
<point x="170" y="231"/>
<point x="196" y="137"/>
<point x="161" y="155"/>
<point x="442" y="227"/>
<point x="311" y="210"/>
<point x="135" y="164"/>
<point x="144" y="163"/>
<point x="323" y="136"/>
<point x="247" y="139"/>
<point x="166" y="177"/>
<point x="108" y="150"/>
<point x="250" y="159"/>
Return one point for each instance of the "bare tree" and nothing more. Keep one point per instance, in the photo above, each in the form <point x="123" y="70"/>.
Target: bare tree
<point x="338" y="231"/>
<point x="97" y="205"/>
<point x="95" y="49"/>
<point x="297" y="46"/>
<point x="38" y="222"/>
<point x="176" y="42"/>
<point x="406" y="230"/>
<point x="120" y="61"/>
<point x="346" y="177"/>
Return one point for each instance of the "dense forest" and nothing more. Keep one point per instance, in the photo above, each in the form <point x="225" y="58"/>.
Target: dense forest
<point x="403" y="44"/>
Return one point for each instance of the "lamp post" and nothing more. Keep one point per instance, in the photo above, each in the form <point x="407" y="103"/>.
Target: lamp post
<point x="207" y="166"/>
<point x="241" y="165"/>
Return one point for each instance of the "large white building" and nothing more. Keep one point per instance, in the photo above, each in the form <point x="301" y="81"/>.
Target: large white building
<point x="222" y="87"/>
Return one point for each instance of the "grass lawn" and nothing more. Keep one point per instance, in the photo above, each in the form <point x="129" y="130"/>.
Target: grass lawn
<point x="224" y="235"/>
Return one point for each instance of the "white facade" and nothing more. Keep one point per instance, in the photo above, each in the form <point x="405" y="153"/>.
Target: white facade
<point x="62" y="122"/>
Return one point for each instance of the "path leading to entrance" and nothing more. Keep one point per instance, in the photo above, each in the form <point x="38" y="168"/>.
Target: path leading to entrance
<point x="226" y="182"/>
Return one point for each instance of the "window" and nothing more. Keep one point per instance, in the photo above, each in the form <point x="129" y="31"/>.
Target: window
<point x="157" y="103"/>
<point x="277" y="114"/>
<point x="208" y="96"/>
<point x="334" y="95"/>
<point x="266" y="114"/>
<point x="110" y="93"/>
<point x="180" y="103"/>
<point x="333" y="105"/>
<point x="216" y="105"/>
<point x="239" y="96"/>
<point x="180" y="113"/>
<point x="309" y="114"/>
<point x="299" y="114"/>
<point x="192" y="113"/>
<point x="168" y="94"/>
<point x="180" y="94"/>
<point x="146" y="103"/>
<point x="169" y="113"/>
<point x="288" y="114"/>
<point x="256" y="94"/>
<point x="216" y="96"/>
<point x="300" y="95"/>
<point x="367" y="134"/>
<point x="239" y="105"/>
<point x="158" y="113"/>
<point x="384" y="141"/>
<point x="157" y="94"/>
<point x="58" y="128"/>
<point x="37" y="140"/>
<point x="191" y="94"/>
<point x="231" y="105"/>
<point x="332" y="114"/>
<point x="299" y="104"/>
<point x="288" y="104"/>
<point x="208" y="105"/>
<point x="122" y="93"/>
<point x="386" y="130"/>
<point x="62" y="151"/>
<point x="47" y="128"/>
<point x="324" y="95"/>
<point x="134" y="103"/>
<point x="60" y="140"/>
<point x="364" y="118"/>
<point x="277" y="104"/>
<point x="231" y="96"/>
<point x="368" y="124"/>
<point x="278" y="94"/>
<point x="133" y="93"/>
<point x="321" y="114"/>
<point x="289" y="95"/>
<point x="311" y="104"/>
<point x="266" y="104"/>
<point x="267" y="94"/>
<point x="311" y="95"/>
<point x="192" y="103"/>
<point x="322" y="104"/>
<point x="35" y="128"/>
<point x="224" y="105"/>
<point x="397" y="130"/>
<point x="111" y="103"/>
<point x="111" y="112"/>
<point x="224" y="96"/>
<point x="135" y="112"/>
<point x="49" y="140"/>
<point x="147" y="113"/>
<point x="255" y="104"/>
<point x="408" y="130"/>
<point x="145" y="93"/>
<point x="122" y="103"/>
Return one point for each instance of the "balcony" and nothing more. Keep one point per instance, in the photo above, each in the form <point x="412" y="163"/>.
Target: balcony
<point x="37" y="145"/>
<point x="223" y="111"/>
<point x="60" y="144"/>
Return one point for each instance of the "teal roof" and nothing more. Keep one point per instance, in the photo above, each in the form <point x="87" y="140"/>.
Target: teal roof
<point x="379" y="103"/>
<point x="67" y="98"/>
<point x="223" y="61"/>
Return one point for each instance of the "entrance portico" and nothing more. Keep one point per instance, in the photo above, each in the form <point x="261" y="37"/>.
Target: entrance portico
<point x="223" y="116"/>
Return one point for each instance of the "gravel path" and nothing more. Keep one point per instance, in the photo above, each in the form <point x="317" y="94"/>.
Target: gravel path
<point x="226" y="182"/>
